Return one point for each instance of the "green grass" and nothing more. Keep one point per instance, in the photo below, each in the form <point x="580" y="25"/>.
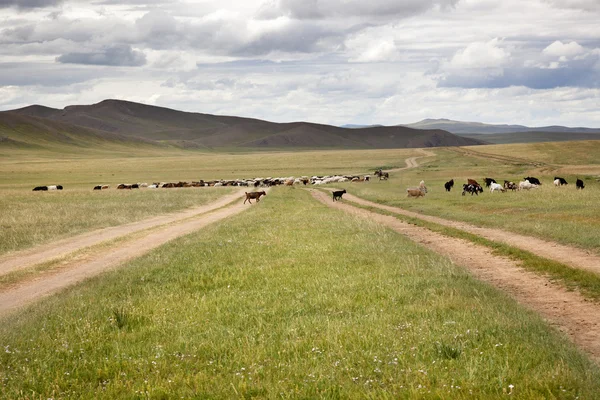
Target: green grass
<point x="290" y="299"/>
<point x="561" y="214"/>
<point x="586" y="282"/>
<point x="567" y="153"/>
<point x="26" y="170"/>
<point x="31" y="218"/>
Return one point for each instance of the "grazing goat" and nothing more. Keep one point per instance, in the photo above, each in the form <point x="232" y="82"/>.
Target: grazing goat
<point x="579" y="184"/>
<point x="415" y="192"/>
<point x="254" y="195"/>
<point x="532" y="180"/>
<point x="382" y="175"/>
<point x="449" y="185"/>
<point x="508" y="185"/>
<point x="473" y="189"/>
<point x="489" y="181"/>
<point x="495" y="186"/>
<point x="472" y="182"/>
<point x="337" y="195"/>
<point x="558" y="181"/>
<point x="526" y="185"/>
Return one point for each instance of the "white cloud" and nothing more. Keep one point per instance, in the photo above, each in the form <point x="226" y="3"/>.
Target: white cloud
<point x="481" y="55"/>
<point x="560" y="49"/>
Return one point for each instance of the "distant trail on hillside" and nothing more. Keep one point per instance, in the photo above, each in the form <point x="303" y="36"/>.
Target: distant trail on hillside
<point x="411" y="162"/>
<point x="568" y="310"/>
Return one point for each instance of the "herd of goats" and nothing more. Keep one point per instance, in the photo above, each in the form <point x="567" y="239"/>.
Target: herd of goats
<point x="472" y="186"/>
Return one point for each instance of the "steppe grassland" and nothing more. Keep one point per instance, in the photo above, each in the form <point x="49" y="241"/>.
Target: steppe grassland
<point x="337" y="307"/>
<point x="563" y="214"/>
<point x="561" y="153"/>
<point x="32" y="169"/>
<point x="31" y="218"/>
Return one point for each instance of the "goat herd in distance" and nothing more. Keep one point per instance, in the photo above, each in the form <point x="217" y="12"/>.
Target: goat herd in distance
<point x="530" y="182"/>
<point x="472" y="186"/>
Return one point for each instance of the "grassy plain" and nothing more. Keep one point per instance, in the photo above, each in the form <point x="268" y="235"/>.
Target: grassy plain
<point x="562" y="214"/>
<point x="32" y="218"/>
<point x="26" y="170"/>
<point x="290" y="299"/>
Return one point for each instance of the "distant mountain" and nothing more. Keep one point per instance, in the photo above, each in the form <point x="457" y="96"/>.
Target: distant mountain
<point x="29" y="132"/>
<point x="195" y="130"/>
<point x="460" y="127"/>
<point x="531" y="137"/>
<point x="352" y="126"/>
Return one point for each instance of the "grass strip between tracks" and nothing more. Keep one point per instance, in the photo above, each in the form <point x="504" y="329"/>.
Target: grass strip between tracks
<point x="588" y="283"/>
<point x="14" y="278"/>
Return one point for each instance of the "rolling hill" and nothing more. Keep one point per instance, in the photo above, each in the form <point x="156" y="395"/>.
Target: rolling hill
<point x="29" y="132"/>
<point x="118" y="120"/>
<point x="461" y="127"/>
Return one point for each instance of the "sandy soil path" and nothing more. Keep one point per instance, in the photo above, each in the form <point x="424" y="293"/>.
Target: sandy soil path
<point x="33" y="290"/>
<point x="411" y="162"/>
<point x="26" y="258"/>
<point x="568" y="311"/>
<point x="568" y="255"/>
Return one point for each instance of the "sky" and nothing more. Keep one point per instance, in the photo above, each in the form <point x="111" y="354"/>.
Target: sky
<point x="533" y="62"/>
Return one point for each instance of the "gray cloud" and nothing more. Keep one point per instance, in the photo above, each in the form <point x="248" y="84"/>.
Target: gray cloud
<point x="45" y="75"/>
<point x="534" y="78"/>
<point x="29" y="3"/>
<point x="315" y="9"/>
<point x="123" y="56"/>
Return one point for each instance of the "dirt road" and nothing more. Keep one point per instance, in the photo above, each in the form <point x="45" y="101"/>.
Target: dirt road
<point x="569" y="311"/>
<point x="189" y="221"/>
<point x="568" y="255"/>
<point x="411" y="162"/>
<point x="44" y="253"/>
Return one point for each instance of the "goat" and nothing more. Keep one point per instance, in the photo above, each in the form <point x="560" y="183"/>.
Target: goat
<point x="254" y="195"/>
<point x="415" y="192"/>
<point x="579" y="184"/>
<point x="337" y="195"/>
<point x="495" y="186"/>
<point x="558" y="181"/>
<point x="489" y="181"/>
<point x="532" y="180"/>
<point x="449" y="185"/>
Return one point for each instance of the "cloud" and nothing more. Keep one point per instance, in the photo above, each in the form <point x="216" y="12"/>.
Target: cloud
<point x="586" y="5"/>
<point x="560" y="49"/>
<point x="318" y="9"/>
<point x="29" y="3"/>
<point x="481" y="55"/>
<point x="123" y="56"/>
<point x="582" y="75"/>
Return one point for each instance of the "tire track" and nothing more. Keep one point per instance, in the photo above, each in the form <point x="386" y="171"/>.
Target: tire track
<point x="27" y="258"/>
<point x="568" y="311"/>
<point x="31" y="291"/>
<point x="568" y="255"/>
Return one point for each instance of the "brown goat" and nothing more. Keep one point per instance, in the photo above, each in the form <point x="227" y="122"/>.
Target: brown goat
<point x="254" y="195"/>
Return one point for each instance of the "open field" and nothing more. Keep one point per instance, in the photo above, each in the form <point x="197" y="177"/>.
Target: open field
<point x="563" y="214"/>
<point x="26" y="171"/>
<point x="336" y="307"/>
<point x="290" y="298"/>
<point x="33" y="218"/>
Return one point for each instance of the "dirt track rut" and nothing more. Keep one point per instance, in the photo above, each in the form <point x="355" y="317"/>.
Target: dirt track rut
<point x="24" y="259"/>
<point x="30" y="291"/>
<point x="568" y="311"/>
<point x="568" y="255"/>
